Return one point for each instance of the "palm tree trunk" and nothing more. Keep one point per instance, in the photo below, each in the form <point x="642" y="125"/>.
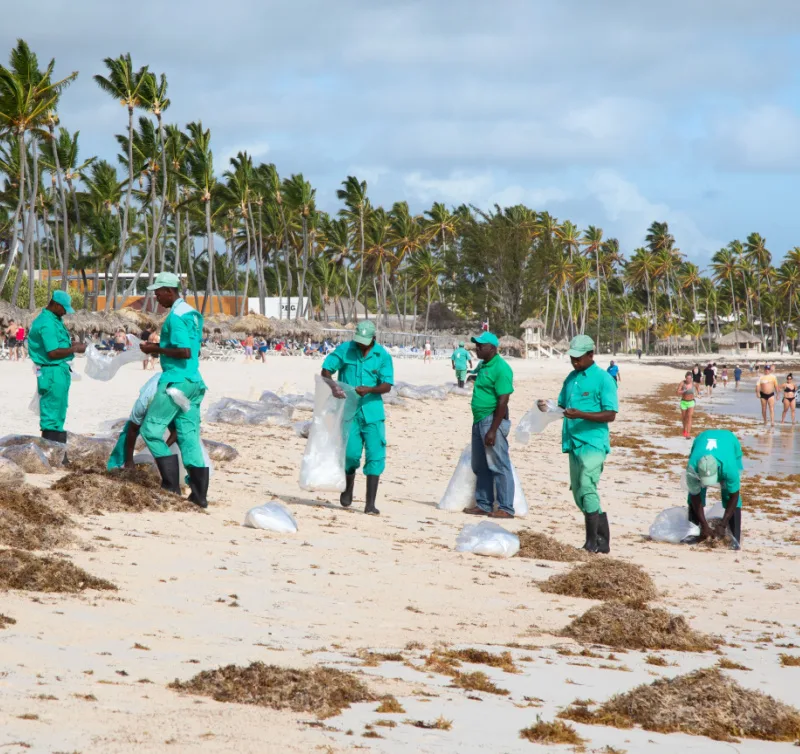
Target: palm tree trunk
<point x="428" y="309"/>
<point x="124" y="235"/>
<point x="302" y="288"/>
<point x="209" y="294"/>
<point x="246" y="291"/>
<point x="63" y="198"/>
<point x="361" y="265"/>
<point x="17" y="211"/>
<point x="29" y="230"/>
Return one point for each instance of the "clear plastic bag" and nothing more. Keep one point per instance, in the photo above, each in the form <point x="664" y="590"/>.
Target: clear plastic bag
<point x="421" y="392"/>
<point x="273" y="517"/>
<point x="233" y="411"/>
<point x="300" y="402"/>
<point x="302" y="429"/>
<point x="10" y="473"/>
<point x="487" y="538"/>
<point x="179" y="399"/>
<point x="53" y="451"/>
<point x="672" y="525"/>
<point x="220" y="451"/>
<point x="520" y="501"/>
<point x="535" y="421"/>
<point x="456" y="390"/>
<point x="30" y="458"/>
<point x="392" y="398"/>
<point x="101" y="365"/>
<point x="322" y="467"/>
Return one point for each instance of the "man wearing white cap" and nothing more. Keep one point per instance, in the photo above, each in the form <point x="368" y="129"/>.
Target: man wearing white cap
<point x="715" y="459"/>
<point x="589" y="400"/>
<point x="179" y="354"/>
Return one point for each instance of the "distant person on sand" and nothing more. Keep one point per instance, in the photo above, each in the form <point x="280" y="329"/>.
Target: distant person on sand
<point x="766" y="388"/>
<point x="697" y="377"/>
<point x="639" y="353"/>
<point x="367" y="366"/>
<point x="737" y="376"/>
<point x="179" y="353"/>
<point x="715" y="459"/>
<point x="249" y="343"/>
<point x="461" y="361"/>
<point x="20" y="343"/>
<point x="51" y="349"/>
<point x="427" y="355"/>
<point x="708" y="375"/>
<point x="687" y="390"/>
<point x="613" y="370"/>
<point x="11" y="340"/>
<point x="724" y="376"/>
<point x="491" y="464"/>
<point x="120" y="341"/>
<point x="789" y="397"/>
<point x="589" y="400"/>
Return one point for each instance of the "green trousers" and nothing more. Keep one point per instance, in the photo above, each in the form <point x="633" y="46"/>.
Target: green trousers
<point x="585" y="468"/>
<point x="724" y="495"/>
<point x="163" y="411"/>
<point x="53" y="385"/>
<point x="461" y="375"/>
<point x="369" y="439"/>
<point x="117" y="458"/>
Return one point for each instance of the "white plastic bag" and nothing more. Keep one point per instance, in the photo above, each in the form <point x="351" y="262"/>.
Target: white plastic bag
<point x="460" y="492"/>
<point x="33" y="406"/>
<point x="322" y="467"/>
<point x="271" y="516"/>
<point x="672" y="525"/>
<point x="103" y="366"/>
<point x="535" y="421"/>
<point x="179" y="399"/>
<point x="487" y="538"/>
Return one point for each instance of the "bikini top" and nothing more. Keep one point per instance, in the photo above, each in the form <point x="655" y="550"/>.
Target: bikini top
<point x="688" y="390"/>
<point x="790" y="389"/>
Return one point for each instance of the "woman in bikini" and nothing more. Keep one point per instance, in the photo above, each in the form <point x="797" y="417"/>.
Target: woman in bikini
<point x="766" y="389"/>
<point x="688" y="390"/>
<point x="789" y="397"/>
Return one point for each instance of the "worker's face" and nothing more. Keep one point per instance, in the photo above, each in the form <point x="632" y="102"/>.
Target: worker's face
<point x="58" y="310"/>
<point x="485" y="351"/>
<point x="579" y="363"/>
<point x="364" y="348"/>
<point x="166" y="297"/>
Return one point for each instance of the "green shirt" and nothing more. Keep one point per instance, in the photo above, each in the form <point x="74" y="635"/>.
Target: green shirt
<point x="183" y="328"/>
<point x="591" y="390"/>
<point x="725" y="447"/>
<point x="494" y="378"/>
<point x="460" y="359"/>
<point x="363" y="371"/>
<point x="48" y="333"/>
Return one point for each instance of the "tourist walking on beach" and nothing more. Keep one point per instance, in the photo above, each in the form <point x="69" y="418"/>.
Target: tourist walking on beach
<point x="789" y="397"/>
<point x="589" y="400"/>
<point x="737" y="377"/>
<point x="11" y="340"/>
<point x="697" y="377"/>
<point x="51" y="348"/>
<point x="461" y="361"/>
<point x="367" y="366"/>
<point x="20" y="337"/>
<point x="426" y="357"/>
<point x="708" y="375"/>
<point x="715" y="458"/>
<point x="687" y="392"/>
<point x="491" y="464"/>
<point x="179" y="354"/>
<point x="249" y="343"/>
<point x="724" y="376"/>
<point x="613" y="370"/>
<point x="766" y="389"/>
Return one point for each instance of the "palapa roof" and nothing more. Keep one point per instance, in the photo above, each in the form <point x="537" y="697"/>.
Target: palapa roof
<point x="533" y="323"/>
<point x="509" y="342"/>
<point x="738" y="336"/>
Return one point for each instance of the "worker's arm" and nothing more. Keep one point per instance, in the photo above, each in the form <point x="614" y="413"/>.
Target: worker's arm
<point x="730" y="509"/>
<point x="62" y="353"/>
<point x="696" y="501"/>
<point x="609" y="405"/>
<point x="130" y="443"/>
<point x="380" y="389"/>
<point x="154" y="349"/>
<point x="327" y="375"/>
<point x="500" y="413"/>
<point x="601" y="417"/>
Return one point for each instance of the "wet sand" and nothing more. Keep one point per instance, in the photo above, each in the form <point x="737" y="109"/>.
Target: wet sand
<point x="200" y="591"/>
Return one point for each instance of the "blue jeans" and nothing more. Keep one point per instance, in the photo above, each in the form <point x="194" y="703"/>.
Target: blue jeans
<point x="492" y="467"/>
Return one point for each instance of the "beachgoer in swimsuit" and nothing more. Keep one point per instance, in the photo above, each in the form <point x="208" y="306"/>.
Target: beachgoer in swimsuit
<point x="20" y="343"/>
<point x="427" y="356"/>
<point x="789" y="397"/>
<point x="697" y="375"/>
<point x="688" y="393"/>
<point x="249" y="342"/>
<point x="766" y="388"/>
<point x="11" y="340"/>
<point x="724" y="376"/>
<point x="120" y="340"/>
<point x="708" y="374"/>
<point x="737" y="376"/>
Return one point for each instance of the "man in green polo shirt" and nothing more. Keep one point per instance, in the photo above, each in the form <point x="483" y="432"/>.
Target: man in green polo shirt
<point x="461" y="361"/>
<point x="494" y="383"/>
<point x="367" y="366"/>
<point x="179" y="354"/>
<point x="589" y="400"/>
<point x="51" y="349"/>
<point x="715" y="459"/>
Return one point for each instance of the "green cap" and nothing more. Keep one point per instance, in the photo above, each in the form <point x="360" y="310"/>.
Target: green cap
<point x="461" y="344"/>
<point x="365" y="332"/>
<point x="487" y="337"/>
<point x="63" y="298"/>
<point x="580" y="345"/>
<point x="165" y="280"/>
<point x="708" y="471"/>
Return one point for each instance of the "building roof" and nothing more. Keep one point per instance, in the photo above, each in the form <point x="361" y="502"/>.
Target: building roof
<point x="532" y="322"/>
<point x="738" y="336"/>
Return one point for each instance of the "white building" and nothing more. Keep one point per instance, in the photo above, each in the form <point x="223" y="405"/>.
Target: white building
<point x="276" y="307"/>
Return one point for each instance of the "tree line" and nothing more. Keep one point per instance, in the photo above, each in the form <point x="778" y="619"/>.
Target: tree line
<point x="244" y="230"/>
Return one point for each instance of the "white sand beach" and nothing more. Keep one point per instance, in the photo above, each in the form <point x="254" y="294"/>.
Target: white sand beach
<point x="199" y="591"/>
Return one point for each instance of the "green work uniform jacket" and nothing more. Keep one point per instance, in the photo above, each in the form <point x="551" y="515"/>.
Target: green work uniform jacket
<point x="591" y="390"/>
<point x="183" y="328"/>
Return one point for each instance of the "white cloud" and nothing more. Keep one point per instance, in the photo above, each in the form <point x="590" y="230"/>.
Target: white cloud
<point x="258" y="150"/>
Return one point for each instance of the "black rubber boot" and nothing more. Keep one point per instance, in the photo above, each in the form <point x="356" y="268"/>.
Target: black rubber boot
<point x="372" y="493"/>
<point x="603" y="535"/>
<point x="592" y="525"/>
<point x="198" y="483"/>
<point x="170" y="474"/>
<point x="346" y="498"/>
<point x="53" y="436"/>
<point x="461" y="383"/>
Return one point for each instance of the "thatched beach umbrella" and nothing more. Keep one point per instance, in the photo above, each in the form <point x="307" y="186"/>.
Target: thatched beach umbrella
<point x="508" y="344"/>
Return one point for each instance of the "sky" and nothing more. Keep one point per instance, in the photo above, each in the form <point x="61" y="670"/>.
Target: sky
<point x="613" y="113"/>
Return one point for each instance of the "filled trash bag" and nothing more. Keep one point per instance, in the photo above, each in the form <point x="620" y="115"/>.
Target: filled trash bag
<point x="273" y="517"/>
<point x="535" y="421"/>
<point x="233" y="411"/>
<point x="300" y="402"/>
<point x="30" y="458"/>
<point x="84" y="451"/>
<point x="392" y="398"/>
<point x="322" y="467"/>
<point x="421" y="392"/>
<point x="672" y="525"/>
<point x="220" y="451"/>
<point x="103" y="366"/>
<point x="302" y="429"/>
<point x="460" y="492"/>
<point x="456" y="390"/>
<point x="10" y="473"/>
<point x="487" y="538"/>
<point x="52" y="450"/>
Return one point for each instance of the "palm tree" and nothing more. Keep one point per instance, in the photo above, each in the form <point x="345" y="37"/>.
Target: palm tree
<point x="127" y="87"/>
<point x="300" y="198"/>
<point x="725" y="264"/>
<point x="756" y="252"/>
<point x="356" y="209"/>
<point x="425" y="270"/>
<point x="640" y="270"/>
<point x="592" y="241"/>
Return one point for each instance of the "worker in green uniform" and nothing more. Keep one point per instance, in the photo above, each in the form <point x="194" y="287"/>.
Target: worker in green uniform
<point x="367" y="366"/>
<point x="461" y="360"/>
<point x="715" y="458"/>
<point x="589" y="400"/>
<point x="179" y="354"/>
<point x="51" y="348"/>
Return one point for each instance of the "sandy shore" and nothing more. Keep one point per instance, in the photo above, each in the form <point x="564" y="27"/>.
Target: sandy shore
<point x="200" y="591"/>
